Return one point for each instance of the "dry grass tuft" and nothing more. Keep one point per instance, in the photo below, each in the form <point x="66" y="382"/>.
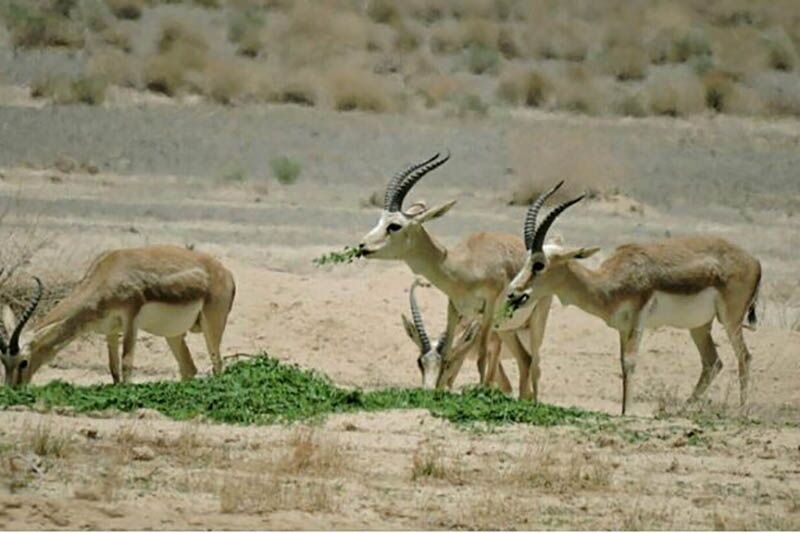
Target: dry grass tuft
<point x="245" y="31"/>
<point x="266" y="493"/>
<point x="438" y="88"/>
<point x="45" y="442"/>
<point x="35" y="25"/>
<point x="224" y="82"/>
<point x="541" y="468"/>
<point x="626" y="63"/>
<point x="114" y="66"/>
<point x="430" y="461"/>
<point x="64" y="89"/>
<point x="309" y="453"/>
<point x="353" y="89"/>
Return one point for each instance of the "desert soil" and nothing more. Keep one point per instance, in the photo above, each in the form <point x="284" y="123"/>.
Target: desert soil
<point x="200" y="175"/>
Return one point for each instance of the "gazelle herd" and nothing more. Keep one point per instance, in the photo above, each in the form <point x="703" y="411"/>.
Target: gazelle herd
<point x="499" y="289"/>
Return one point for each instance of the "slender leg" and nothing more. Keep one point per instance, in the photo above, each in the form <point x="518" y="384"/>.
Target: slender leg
<point x="743" y="356"/>
<point x="213" y="320"/>
<point x="500" y="378"/>
<point x="629" y="351"/>
<point x="112" y="341"/>
<point x="177" y="346"/>
<point x="537" y="326"/>
<point x="523" y="361"/>
<point x="128" y="346"/>
<point x="709" y="358"/>
<point x="451" y="362"/>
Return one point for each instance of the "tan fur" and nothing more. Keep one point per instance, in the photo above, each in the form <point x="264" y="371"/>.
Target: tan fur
<point x="473" y="275"/>
<point x="624" y="291"/>
<point x="122" y="281"/>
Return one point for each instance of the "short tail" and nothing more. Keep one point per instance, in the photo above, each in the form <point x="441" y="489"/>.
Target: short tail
<point x="752" y="318"/>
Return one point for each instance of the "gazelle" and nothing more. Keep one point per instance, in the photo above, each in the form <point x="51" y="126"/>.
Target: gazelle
<point x="430" y="356"/>
<point x="473" y="275"/>
<point x="680" y="282"/>
<point x="163" y="290"/>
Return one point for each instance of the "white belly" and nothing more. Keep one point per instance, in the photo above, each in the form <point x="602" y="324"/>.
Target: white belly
<point x="168" y="320"/>
<point x="681" y="311"/>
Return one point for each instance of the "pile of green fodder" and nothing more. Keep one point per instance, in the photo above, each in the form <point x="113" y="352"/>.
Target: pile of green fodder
<point x="262" y="390"/>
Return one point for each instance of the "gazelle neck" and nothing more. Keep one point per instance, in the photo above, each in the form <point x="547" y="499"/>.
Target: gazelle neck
<point x="428" y="258"/>
<point x="582" y="287"/>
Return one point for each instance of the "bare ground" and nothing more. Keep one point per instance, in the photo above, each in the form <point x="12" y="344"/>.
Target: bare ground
<point x="200" y="175"/>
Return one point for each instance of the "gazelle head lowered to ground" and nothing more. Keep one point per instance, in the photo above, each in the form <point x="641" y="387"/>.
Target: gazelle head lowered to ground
<point x="16" y="356"/>
<point x="392" y="237"/>
<point x="430" y="356"/>
<point x="538" y="275"/>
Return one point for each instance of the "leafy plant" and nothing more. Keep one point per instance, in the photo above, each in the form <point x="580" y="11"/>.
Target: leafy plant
<point x="285" y="170"/>
<point x="347" y="255"/>
<point x="263" y="390"/>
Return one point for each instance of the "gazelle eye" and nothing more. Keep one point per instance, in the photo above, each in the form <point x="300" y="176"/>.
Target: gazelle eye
<point x="391" y="228"/>
<point x="537" y="267"/>
<point x="23" y="364"/>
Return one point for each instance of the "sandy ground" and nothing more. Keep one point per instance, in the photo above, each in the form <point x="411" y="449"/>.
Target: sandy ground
<point x="159" y="180"/>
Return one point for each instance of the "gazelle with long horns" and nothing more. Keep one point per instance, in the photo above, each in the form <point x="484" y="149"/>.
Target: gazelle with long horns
<point x="682" y="282"/>
<point x="473" y="275"/>
<point x="429" y="355"/>
<point x="164" y="290"/>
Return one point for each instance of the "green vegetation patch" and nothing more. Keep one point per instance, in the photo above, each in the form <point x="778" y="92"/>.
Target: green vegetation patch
<point x="347" y="255"/>
<point x="263" y="390"/>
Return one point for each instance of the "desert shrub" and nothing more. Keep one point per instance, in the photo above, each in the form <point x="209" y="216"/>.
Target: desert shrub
<point x="672" y="45"/>
<point x="779" y="92"/>
<point x="285" y="170"/>
<point x="224" y="81"/>
<point x="626" y="63"/>
<point x="118" y="38"/>
<point x="126" y="9"/>
<point x="481" y="59"/>
<point x="406" y="38"/>
<point x="781" y="50"/>
<point x="675" y="93"/>
<point x="480" y="32"/>
<point x="719" y="87"/>
<point x="64" y="89"/>
<point x="32" y="26"/>
<point x="520" y="85"/>
<point x="508" y="43"/>
<point x="163" y="74"/>
<point x="180" y="50"/>
<point x="559" y="41"/>
<point x="244" y="30"/>
<point x="300" y="89"/>
<point x="630" y="105"/>
<point x="383" y="11"/>
<point x="471" y="105"/>
<point x="354" y="89"/>
<point x="446" y="38"/>
<point x="178" y="38"/>
<point x="438" y="88"/>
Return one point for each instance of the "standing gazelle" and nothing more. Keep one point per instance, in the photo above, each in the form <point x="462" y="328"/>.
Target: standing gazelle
<point x="163" y="290"/>
<point x="680" y="282"/>
<point x="472" y="275"/>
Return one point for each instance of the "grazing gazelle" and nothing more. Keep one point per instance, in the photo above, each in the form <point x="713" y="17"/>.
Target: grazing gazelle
<point x="680" y="282"/>
<point x="473" y="275"/>
<point x="163" y="290"/>
<point x="430" y="356"/>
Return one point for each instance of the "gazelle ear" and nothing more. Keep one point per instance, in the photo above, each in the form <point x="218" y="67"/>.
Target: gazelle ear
<point x="434" y="212"/>
<point x="579" y="253"/>
<point x="9" y="320"/>
<point x="411" y="331"/>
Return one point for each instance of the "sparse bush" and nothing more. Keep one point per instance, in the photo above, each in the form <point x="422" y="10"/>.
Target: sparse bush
<point x="479" y="32"/>
<point x="310" y="453"/>
<point x="63" y="89"/>
<point x="446" y="38"/>
<point x="224" y="82"/>
<point x="163" y="74"/>
<point x="471" y="105"/>
<point x="630" y="105"/>
<point x="126" y="9"/>
<point x="353" y="89"/>
<point x="626" y="63"/>
<point x="244" y="30"/>
<point x="34" y="27"/>
<point x="561" y="41"/>
<point x="779" y="92"/>
<point x="782" y="53"/>
<point x="431" y="462"/>
<point x="285" y="170"/>
<point x="438" y="88"/>
<point x="407" y="38"/>
<point x="383" y="11"/>
<point x="676" y="93"/>
<point x="690" y="44"/>
<point x="508" y="44"/>
<point x="117" y="38"/>
<point x="719" y="88"/>
<point x="481" y="59"/>
<point x="181" y="50"/>
<point x="45" y="442"/>
<point x="523" y="86"/>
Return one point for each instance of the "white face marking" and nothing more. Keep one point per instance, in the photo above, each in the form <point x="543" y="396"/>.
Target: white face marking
<point x="430" y="364"/>
<point x="685" y="311"/>
<point x="381" y="241"/>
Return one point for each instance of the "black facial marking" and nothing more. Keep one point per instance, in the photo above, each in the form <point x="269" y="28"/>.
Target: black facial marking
<point x="391" y="228"/>
<point x="538" y="266"/>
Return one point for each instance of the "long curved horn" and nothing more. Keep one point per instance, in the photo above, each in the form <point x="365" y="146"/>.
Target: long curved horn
<point x="533" y="212"/>
<point x="13" y="343"/>
<point x="391" y="188"/>
<point x="411" y="179"/>
<point x="541" y="231"/>
<point x="416" y="316"/>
